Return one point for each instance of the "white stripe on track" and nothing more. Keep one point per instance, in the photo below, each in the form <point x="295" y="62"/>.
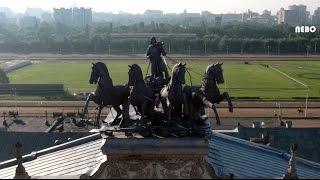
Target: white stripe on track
<point x="293" y="79"/>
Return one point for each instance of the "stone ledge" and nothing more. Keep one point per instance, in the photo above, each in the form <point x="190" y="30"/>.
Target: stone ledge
<point x="187" y="146"/>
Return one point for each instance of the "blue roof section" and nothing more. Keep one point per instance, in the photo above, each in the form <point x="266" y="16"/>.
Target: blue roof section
<point x="250" y="160"/>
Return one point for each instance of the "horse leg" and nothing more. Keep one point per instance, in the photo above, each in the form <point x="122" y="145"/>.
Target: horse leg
<point x="185" y="105"/>
<point x="143" y="112"/>
<point x="192" y="115"/>
<point x="226" y="96"/>
<point x="85" y="108"/>
<point x="98" y="116"/>
<point x="125" y="113"/>
<point x="217" y="115"/>
<point x="157" y="100"/>
<point x="116" y="120"/>
<point x="164" y="106"/>
<point x="169" y="109"/>
<point x="213" y="107"/>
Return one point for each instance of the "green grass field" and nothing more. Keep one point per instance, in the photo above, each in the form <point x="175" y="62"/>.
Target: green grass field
<point x="242" y="80"/>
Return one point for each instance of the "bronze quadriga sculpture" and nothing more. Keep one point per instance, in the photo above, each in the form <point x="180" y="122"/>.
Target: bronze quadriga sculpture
<point x="182" y="106"/>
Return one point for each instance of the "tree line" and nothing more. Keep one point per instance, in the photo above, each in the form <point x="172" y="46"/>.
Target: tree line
<point x="246" y="38"/>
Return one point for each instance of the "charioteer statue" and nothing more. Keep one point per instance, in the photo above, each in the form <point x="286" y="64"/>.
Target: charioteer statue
<point x="155" y="53"/>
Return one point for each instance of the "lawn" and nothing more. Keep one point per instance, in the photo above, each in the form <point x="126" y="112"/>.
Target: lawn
<point x="242" y="80"/>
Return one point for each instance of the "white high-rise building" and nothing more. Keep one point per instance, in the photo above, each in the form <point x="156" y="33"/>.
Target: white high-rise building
<point x="316" y="17"/>
<point x="296" y="15"/>
<point x="81" y="17"/>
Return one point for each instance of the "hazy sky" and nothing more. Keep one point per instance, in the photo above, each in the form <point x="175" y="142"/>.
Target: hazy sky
<point x="168" y="6"/>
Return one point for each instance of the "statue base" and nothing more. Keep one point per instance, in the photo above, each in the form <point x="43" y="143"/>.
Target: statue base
<point x="157" y="158"/>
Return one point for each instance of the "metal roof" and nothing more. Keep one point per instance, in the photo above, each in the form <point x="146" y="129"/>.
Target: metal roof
<point x="249" y="160"/>
<point x="32" y="141"/>
<point x="227" y="155"/>
<point x="69" y="159"/>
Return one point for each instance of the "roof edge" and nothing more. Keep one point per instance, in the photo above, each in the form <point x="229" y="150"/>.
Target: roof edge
<point x="267" y="149"/>
<point x="33" y="155"/>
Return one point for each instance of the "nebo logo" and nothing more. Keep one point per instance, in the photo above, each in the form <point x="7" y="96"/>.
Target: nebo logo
<point x="305" y="29"/>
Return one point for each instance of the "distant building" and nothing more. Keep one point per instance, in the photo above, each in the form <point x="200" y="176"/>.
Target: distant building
<point x="37" y="12"/>
<point x="248" y="16"/>
<point x="153" y="13"/>
<point x="148" y="35"/>
<point x="218" y="20"/>
<point x="206" y="13"/>
<point x="63" y="16"/>
<point x="7" y="11"/>
<point x="47" y="17"/>
<point x="208" y="18"/>
<point x="316" y="17"/>
<point x="230" y="17"/>
<point x="26" y="21"/>
<point x="2" y="17"/>
<point x="265" y="18"/>
<point x="296" y="15"/>
<point x="81" y="17"/>
<point x="191" y="19"/>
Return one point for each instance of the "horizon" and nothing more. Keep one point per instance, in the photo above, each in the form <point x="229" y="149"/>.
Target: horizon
<point x="140" y="6"/>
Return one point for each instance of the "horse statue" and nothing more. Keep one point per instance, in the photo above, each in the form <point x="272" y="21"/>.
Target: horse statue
<point x="208" y="94"/>
<point x="141" y="95"/>
<point x="172" y="96"/>
<point x="108" y="94"/>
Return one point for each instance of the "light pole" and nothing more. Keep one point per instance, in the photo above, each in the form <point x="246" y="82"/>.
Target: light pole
<point x="305" y="112"/>
<point x="241" y="48"/>
<point x="308" y="48"/>
<point x="268" y="50"/>
<point x="279" y="111"/>
<point x="205" y="48"/>
<point x="15" y="98"/>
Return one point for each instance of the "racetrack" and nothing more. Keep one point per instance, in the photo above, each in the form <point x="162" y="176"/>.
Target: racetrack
<point x="246" y="76"/>
<point x="242" y="79"/>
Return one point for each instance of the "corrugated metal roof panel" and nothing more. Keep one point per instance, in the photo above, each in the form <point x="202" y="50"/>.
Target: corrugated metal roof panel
<point x="74" y="160"/>
<point x="227" y="155"/>
<point x="249" y="160"/>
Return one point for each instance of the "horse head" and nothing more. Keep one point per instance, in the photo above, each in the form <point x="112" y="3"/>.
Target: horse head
<point x="135" y="74"/>
<point x="178" y="73"/>
<point x="98" y="69"/>
<point x="215" y="72"/>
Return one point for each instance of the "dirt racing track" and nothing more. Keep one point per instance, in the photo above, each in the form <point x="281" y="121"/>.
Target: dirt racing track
<point x="32" y="114"/>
